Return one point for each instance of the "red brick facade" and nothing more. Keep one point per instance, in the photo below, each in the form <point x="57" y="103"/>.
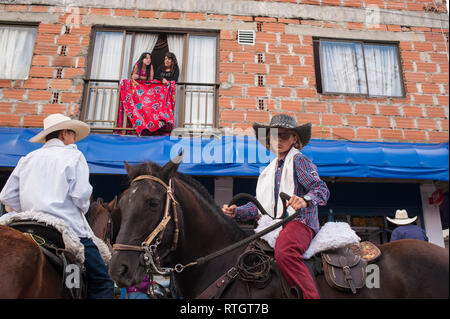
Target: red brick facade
<point x="288" y="72"/>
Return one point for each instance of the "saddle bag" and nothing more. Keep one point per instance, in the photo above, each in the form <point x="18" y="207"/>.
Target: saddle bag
<point x="344" y="270"/>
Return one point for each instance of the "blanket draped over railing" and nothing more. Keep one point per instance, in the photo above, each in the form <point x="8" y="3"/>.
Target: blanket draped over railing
<point x="149" y="105"/>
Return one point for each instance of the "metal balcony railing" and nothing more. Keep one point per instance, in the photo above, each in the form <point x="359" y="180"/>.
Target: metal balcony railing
<point x="195" y="107"/>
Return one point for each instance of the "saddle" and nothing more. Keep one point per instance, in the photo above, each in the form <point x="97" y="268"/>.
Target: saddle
<point x="51" y="243"/>
<point x="345" y="268"/>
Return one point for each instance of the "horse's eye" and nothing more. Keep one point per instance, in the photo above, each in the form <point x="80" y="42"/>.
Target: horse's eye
<point x="153" y="203"/>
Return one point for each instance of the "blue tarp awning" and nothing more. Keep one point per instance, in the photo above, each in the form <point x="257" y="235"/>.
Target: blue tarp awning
<point x="244" y="156"/>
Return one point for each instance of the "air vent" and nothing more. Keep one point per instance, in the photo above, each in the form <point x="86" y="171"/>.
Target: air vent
<point x="246" y="37"/>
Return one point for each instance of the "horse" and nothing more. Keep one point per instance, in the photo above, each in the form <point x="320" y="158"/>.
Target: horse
<point x="104" y="219"/>
<point x="407" y="268"/>
<point x="25" y="271"/>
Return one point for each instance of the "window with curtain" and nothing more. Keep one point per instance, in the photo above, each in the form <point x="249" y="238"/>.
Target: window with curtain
<point x="16" y="51"/>
<point x="201" y="69"/>
<point x="357" y="67"/>
<point x="114" y="55"/>
<point x="112" y="60"/>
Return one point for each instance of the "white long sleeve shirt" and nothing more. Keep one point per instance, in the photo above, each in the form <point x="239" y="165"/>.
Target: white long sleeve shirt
<point x="54" y="180"/>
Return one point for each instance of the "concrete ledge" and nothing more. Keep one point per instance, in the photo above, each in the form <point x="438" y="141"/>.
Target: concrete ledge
<point x="166" y="24"/>
<point x="355" y="34"/>
<point x="266" y="9"/>
<point x="29" y="17"/>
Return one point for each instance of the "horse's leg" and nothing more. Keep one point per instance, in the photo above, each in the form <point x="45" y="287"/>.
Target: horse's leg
<point x="24" y="271"/>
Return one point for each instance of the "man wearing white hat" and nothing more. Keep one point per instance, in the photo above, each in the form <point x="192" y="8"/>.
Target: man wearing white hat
<point x="406" y="230"/>
<point x="54" y="179"/>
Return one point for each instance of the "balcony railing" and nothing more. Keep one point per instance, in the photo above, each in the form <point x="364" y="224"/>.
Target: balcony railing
<point x="195" y="107"/>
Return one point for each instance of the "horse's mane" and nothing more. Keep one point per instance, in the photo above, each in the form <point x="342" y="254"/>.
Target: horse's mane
<point x="199" y="191"/>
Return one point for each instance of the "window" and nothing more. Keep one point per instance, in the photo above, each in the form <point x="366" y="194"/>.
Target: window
<point x="114" y="54"/>
<point x="16" y="50"/>
<point x="357" y="67"/>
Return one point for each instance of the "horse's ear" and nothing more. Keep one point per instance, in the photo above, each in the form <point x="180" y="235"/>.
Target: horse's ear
<point x="127" y="166"/>
<point x="171" y="167"/>
<point x="112" y="204"/>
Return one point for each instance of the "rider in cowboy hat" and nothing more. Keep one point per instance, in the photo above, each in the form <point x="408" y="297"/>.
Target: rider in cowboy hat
<point x="293" y="173"/>
<point x="54" y="179"/>
<point x="406" y="229"/>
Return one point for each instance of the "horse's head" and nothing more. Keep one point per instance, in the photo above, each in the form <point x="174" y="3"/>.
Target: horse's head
<point x="143" y="207"/>
<point x="100" y="218"/>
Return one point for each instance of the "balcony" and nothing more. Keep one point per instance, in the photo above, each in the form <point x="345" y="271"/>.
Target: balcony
<point x="195" y="109"/>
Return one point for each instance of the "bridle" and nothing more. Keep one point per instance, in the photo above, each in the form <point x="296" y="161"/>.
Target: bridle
<point x="150" y="255"/>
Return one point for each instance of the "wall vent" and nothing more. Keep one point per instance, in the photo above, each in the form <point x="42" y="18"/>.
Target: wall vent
<point x="246" y="37"/>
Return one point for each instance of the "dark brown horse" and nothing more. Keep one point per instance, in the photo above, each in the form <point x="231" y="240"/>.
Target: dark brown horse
<point x="407" y="269"/>
<point x="25" y="272"/>
<point x="104" y="219"/>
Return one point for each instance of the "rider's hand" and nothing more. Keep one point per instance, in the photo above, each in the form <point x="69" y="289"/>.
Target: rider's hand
<point x="164" y="81"/>
<point x="229" y="210"/>
<point x="297" y="202"/>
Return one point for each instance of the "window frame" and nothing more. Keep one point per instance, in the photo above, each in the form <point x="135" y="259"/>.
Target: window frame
<point x="363" y="43"/>
<point x="127" y="30"/>
<point x="25" y="24"/>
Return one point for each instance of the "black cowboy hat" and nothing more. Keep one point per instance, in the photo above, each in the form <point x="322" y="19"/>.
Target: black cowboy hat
<point x="283" y="121"/>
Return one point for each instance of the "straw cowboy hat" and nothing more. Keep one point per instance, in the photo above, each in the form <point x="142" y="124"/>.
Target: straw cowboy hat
<point x="401" y="218"/>
<point x="283" y="121"/>
<point x="56" y="122"/>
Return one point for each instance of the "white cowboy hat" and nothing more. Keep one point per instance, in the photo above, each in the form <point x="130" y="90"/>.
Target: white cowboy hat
<point x="56" y="122"/>
<point x="401" y="218"/>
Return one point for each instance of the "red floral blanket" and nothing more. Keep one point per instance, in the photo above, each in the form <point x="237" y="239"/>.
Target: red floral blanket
<point x="149" y="105"/>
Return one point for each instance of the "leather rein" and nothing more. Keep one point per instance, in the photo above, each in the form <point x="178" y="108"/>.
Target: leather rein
<point x="150" y="256"/>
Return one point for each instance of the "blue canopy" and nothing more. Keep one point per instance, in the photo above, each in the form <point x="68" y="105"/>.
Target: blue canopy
<point x="244" y="156"/>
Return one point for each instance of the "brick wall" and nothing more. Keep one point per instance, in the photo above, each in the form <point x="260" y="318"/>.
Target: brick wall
<point x="412" y="5"/>
<point x="422" y="116"/>
<point x="288" y="76"/>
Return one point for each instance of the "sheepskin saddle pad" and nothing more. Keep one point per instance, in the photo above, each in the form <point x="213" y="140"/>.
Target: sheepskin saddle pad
<point x="45" y="228"/>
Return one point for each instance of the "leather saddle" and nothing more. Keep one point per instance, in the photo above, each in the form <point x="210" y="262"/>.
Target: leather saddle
<point x="51" y="243"/>
<point x="345" y="268"/>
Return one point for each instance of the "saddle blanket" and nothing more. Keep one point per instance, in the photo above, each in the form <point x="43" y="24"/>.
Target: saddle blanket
<point x="330" y="236"/>
<point x="72" y="242"/>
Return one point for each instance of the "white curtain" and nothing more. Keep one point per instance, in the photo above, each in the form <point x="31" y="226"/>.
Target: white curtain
<point x="107" y="54"/>
<point x="176" y="46"/>
<point x="16" y="51"/>
<point x="103" y="96"/>
<point x="201" y="68"/>
<point x="383" y="73"/>
<point x="143" y="42"/>
<point x="343" y="67"/>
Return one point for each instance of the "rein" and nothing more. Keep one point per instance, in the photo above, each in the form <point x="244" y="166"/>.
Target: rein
<point x="151" y="258"/>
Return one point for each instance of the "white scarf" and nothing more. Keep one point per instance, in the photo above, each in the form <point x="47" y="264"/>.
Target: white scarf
<point x="266" y="184"/>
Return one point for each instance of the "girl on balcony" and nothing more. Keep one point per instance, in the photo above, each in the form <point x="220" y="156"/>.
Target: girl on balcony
<point x="143" y="69"/>
<point x="169" y="71"/>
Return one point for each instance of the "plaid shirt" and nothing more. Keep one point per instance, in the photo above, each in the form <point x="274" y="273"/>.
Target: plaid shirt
<point x="306" y="181"/>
